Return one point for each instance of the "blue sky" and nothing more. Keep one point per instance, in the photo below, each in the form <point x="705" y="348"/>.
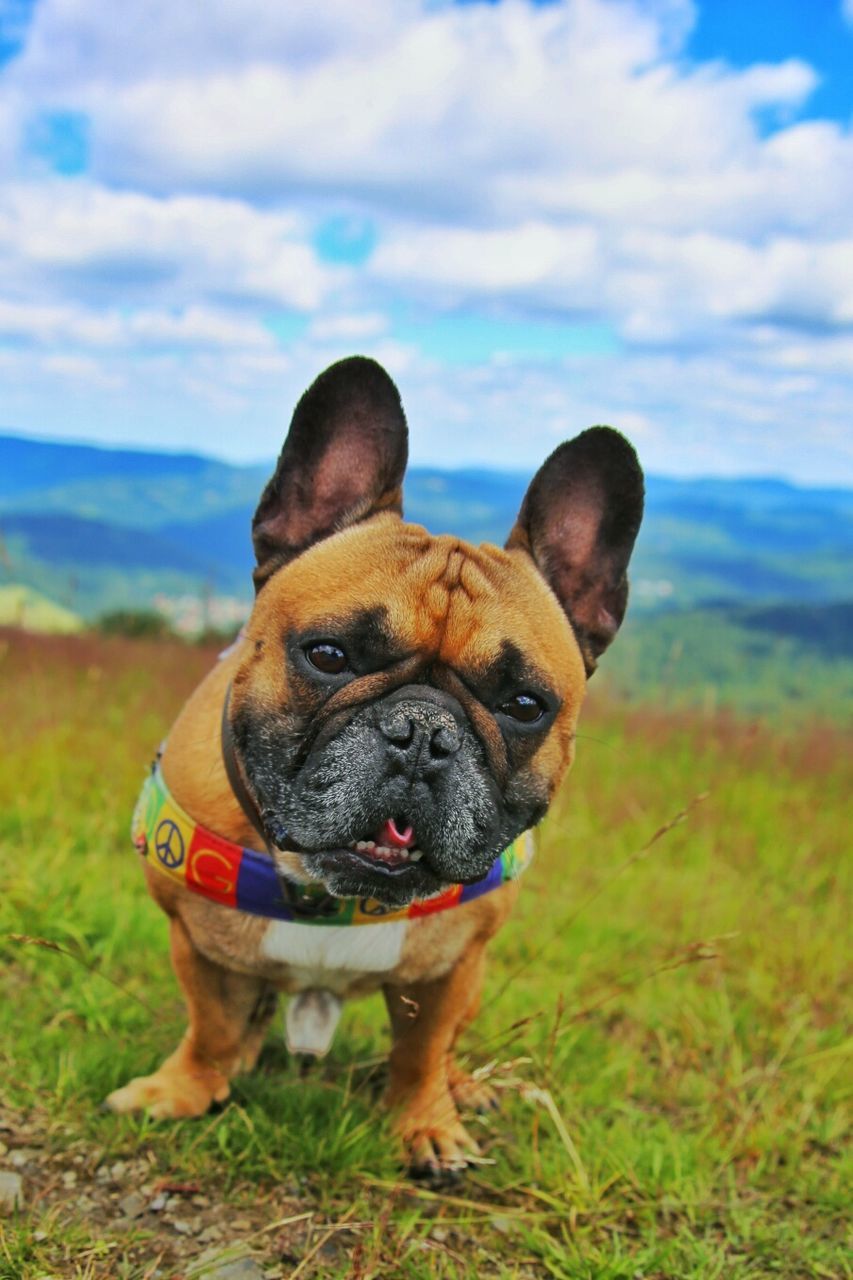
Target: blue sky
<point x="538" y="215"/>
<point x="743" y="32"/>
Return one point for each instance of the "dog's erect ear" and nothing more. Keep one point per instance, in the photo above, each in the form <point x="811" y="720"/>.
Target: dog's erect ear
<point x="343" y="460"/>
<point x="578" y="521"/>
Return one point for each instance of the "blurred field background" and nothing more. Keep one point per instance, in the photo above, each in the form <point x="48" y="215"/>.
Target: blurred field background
<point x="665" y="1016"/>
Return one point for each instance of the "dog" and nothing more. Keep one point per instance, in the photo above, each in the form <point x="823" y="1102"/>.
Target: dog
<point x="344" y="804"/>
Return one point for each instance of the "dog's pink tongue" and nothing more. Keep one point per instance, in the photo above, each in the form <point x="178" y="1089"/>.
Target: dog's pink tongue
<point x="392" y="837"/>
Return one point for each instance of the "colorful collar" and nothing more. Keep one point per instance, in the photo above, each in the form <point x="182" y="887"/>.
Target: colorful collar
<point x="227" y="873"/>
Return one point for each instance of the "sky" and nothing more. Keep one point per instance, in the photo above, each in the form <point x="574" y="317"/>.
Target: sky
<point x="538" y="216"/>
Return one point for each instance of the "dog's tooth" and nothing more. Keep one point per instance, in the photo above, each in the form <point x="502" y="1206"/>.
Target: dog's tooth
<point x="384" y="853"/>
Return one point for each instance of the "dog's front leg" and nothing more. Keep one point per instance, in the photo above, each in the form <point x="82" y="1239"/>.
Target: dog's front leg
<point x="228" y="1015"/>
<point x="426" y="1018"/>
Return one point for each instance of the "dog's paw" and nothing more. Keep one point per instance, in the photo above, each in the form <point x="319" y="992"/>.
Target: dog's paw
<point x="438" y="1147"/>
<point x="167" y="1096"/>
<point x="472" y="1094"/>
<point x="440" y="1154"/>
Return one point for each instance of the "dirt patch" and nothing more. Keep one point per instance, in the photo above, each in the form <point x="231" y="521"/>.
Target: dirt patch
<point x="87" y="1214"/>
<point x="84" y="1212"/>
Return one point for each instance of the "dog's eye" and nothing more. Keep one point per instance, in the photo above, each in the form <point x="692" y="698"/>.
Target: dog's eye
<point x="328" y="658"/>
<point x="524" y="707"/>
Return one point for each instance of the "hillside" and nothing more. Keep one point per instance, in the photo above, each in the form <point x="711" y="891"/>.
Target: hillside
<point x="24" y="607"/>
<point x="740" y="588"/>
<point x="761" y="659"/>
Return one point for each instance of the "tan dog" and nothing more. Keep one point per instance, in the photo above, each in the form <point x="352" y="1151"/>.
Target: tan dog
<point x="399" y="711"/>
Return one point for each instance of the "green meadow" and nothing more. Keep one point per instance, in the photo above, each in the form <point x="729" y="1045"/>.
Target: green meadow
<point x="664" y="1019"/>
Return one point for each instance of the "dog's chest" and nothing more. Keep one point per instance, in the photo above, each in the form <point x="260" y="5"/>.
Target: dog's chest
<point x="332" y="957"/>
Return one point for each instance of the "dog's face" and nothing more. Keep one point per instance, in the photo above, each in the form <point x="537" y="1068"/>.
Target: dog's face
<point x="407" y="692"/>
<point x="407" y="703"/>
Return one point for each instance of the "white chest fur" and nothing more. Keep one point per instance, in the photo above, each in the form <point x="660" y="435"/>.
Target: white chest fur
<point x="330" y="956"/>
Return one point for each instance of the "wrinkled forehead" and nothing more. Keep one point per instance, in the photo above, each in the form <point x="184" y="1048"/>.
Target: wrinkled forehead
<point x="437" y="596"/>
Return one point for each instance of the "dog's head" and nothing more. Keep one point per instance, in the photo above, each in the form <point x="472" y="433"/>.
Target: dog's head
<point x="407" y="703"/>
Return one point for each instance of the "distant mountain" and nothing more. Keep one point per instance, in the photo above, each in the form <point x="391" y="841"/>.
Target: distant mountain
<point x="30" y="465"/>
<point x="827" y="629"/>
<point x="76" y="542"/>
<point x="753" y="658"/>
<point x="101" y="528"/>
<point x="120" y="486"/>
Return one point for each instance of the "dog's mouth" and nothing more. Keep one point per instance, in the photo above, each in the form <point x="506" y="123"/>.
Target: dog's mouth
<point x="391" y="848"/>
<point x="386" y="864"/>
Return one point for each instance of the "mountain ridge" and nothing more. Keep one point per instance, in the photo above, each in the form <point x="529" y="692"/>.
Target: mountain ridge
<point x="125" y="523"/>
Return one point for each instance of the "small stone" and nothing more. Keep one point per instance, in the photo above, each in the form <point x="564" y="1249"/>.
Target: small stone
<point x="118" y="1170"/>
<point x="201" y="1202"/>
<point x="210" y="1235"/>
<point x="241" y="1224"/>
<point x="331" y="1251"/>
<point x="21" y="1157"/>
<point x="439" y="1235"/>
<point x="158" y="1204"/>
<point x="183" y="1227"/>
<point x="233" y="1269"/>
<point x="69" y="1178"/>
<point x="11" y="1191"/>
<point x="133" y="1205"/>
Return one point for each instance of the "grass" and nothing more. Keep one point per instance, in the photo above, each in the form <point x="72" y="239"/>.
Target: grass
<point x="664" y="1018"/>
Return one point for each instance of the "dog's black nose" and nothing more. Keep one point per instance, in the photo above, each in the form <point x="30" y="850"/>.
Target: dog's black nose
<point x="420" y="732"/>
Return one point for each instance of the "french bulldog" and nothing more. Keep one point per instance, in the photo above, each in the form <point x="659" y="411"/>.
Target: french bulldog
<point x="342" y="805"/>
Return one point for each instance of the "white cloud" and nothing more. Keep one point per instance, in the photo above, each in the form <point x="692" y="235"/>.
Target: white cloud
<point x="73" y="39"/>
<point x="491" y="262"/>
<point x="456" y="109"/>
<point x="79" y="369"/>
<point x="516" y="160"/>
<point x="350" y="327"/>
<point x="197" y="327"/>
<point x="776" y="406"/>
<point x="652" y="285"/>
<point x="80" y="238"/>
<point x="724" y="413"/>
<point x="78" y="327"/>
